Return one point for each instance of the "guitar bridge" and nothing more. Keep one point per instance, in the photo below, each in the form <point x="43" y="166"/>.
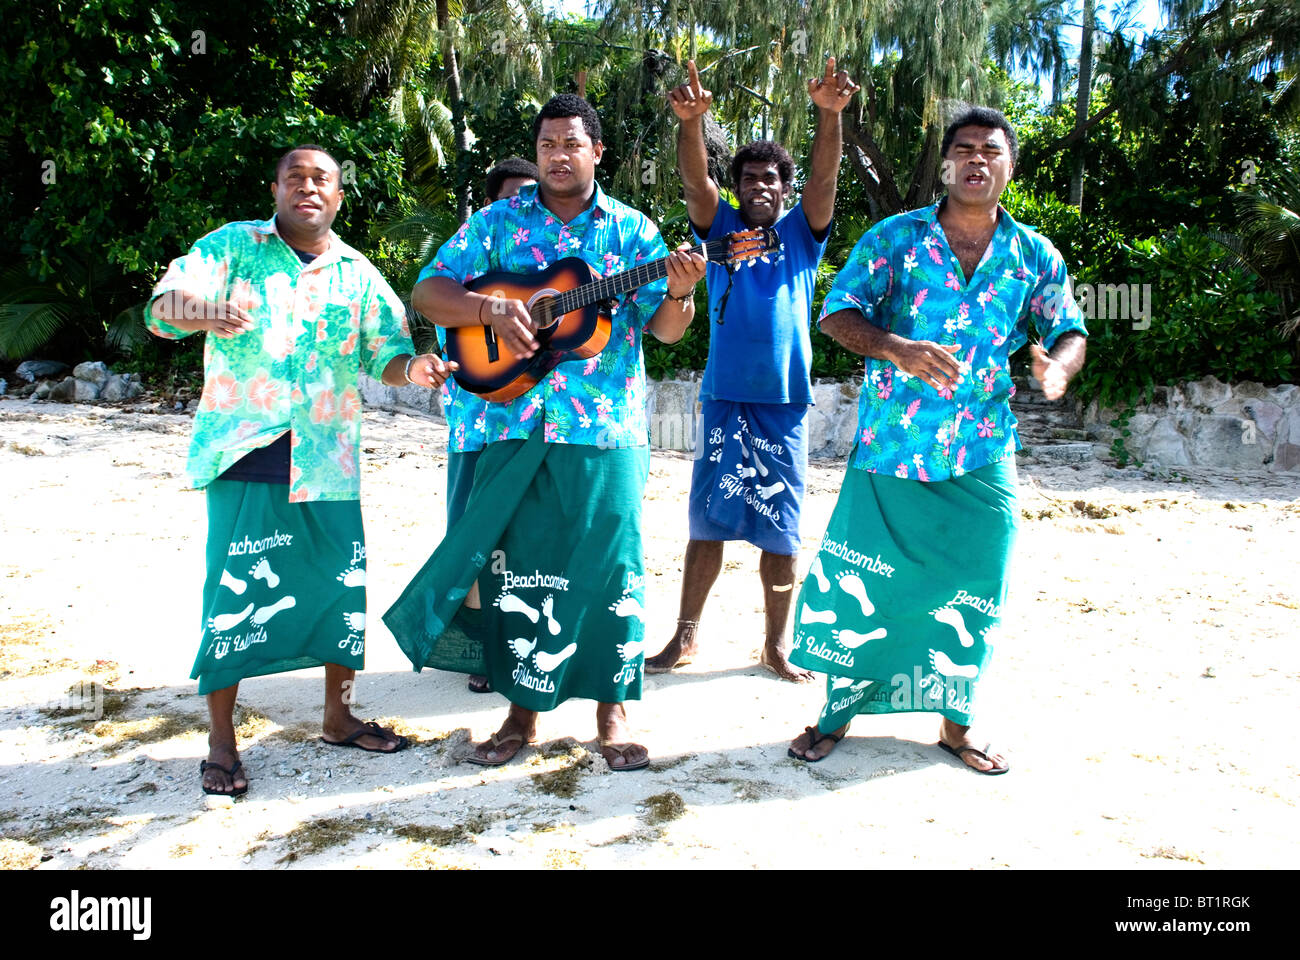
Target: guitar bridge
<point x="490" y="338"/>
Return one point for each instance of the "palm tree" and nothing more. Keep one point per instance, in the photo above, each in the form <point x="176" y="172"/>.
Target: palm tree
<point x="1267" y="241"/>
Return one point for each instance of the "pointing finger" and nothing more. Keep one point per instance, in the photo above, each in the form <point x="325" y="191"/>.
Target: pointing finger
<point x="830" y="69"/>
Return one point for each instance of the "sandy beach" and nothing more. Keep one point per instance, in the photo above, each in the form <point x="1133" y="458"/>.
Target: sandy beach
<point x="1140" y="691"/>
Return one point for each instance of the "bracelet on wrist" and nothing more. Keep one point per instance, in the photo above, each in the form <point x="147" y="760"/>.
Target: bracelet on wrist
<point x="407" y="372"/>
<point x="688" y="295"/>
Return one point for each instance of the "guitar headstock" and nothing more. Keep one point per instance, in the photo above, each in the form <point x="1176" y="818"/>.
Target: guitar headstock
<point x="745" y="245"/>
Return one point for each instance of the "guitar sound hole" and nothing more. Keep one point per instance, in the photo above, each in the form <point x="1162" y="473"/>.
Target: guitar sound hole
<point x="543" y="312"/>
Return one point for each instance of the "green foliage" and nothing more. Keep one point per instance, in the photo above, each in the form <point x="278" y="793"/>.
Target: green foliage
<point x="143" y="126"/>
<point x="1208" y="318"/>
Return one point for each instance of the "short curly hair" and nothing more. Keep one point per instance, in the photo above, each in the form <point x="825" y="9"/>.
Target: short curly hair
<point x="763" y="151"/>
<point x="564" y="105"/>
<point x="981" y="117"/>
<point x="509" y="169"/>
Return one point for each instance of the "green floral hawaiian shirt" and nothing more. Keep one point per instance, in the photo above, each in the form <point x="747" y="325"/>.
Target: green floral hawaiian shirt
<point x="318" y="325"/>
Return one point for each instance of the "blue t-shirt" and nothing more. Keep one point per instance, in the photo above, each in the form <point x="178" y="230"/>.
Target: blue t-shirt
<point x="760" y="350"/>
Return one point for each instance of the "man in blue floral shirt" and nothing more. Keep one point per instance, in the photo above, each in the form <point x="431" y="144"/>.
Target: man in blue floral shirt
<point x="551" y="536"/>
<point x="904" y="598"/>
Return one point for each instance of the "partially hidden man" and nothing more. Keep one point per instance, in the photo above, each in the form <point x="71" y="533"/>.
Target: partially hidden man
<point x="903" y="601"/>
<point x="467" y="413"/>
<point x="540" y="586"/>
<point x="292" y="314"/>
<point x="752" y="451"/>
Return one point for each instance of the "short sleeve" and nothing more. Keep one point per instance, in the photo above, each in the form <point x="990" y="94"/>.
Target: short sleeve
<point x="202" y="272"/>
<point x="467" y="255"/>
<point x="1052" y="304"/>
<point x="384" y="331"/>
<point x="864" y="282"/>
<point x="796" y="233"/>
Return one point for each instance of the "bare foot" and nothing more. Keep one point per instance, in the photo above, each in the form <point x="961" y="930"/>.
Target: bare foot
<point x="520" y="728"/>
<point x="813" y="745"/>
<point x="775" y="659"/>
<point x="969" y="751"/>
<point x="222" y="758"/>
<point x="479" y="684"/>
<point x="346" y="728"/>
<point x="615" y="738"/>
<point x="680" y="651"/>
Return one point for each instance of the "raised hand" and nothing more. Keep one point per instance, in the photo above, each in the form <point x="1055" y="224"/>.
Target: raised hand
<point x="690" y="100"/>
<point x="1051" y="374"/>
<point x="832" y="91"/>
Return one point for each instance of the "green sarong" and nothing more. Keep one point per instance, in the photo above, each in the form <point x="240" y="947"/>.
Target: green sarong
<point x="286" y="584"/>
<point x="552" y="535"/>
<point x="901" y="602"/>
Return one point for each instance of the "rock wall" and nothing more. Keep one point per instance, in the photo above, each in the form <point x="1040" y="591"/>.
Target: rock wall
<point x="1206" y="423"/>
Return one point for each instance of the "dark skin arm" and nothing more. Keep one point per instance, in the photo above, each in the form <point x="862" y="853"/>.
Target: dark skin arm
<point x="935" y="364"/>
<point x="831" y="93"/>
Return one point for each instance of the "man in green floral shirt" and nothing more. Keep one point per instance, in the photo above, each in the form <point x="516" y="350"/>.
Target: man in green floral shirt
<point x="293" y="315"/>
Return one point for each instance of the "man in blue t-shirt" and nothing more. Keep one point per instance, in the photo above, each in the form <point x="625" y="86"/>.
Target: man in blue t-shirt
<point x="752" y="450"/>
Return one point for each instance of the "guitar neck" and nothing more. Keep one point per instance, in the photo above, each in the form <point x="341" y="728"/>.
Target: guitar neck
<point x="608" y="288"/>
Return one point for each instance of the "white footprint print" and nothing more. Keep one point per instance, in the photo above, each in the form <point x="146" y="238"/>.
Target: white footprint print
<point x="809" y="615"/>
<point x="227" y="621"/>
<point x="839" y="683"/>
<point x="262" y="571"/>
<point x="816" y="570"/>
<point x="716" y="456"/>
<point x="629" y="607"/>
<point x="944" y="666"/>
<point x="546" y="662"/>
<point x="852" y="584"/>
<point x="631" y="649"/>
<point x="352" y="577"/>
<point x="237" y="587"/>
<point x="509" y="603"/>
<point x="770" y="491"/>
<point x="355" y="621"/>
<point x="548" y="605"/>
<point x="991" y="635"/>
<point x="521" y="648"/>
<point x="266" y="613"/>
<point x="762" y="470"/>
<point x="744" y="450"/>
<point x="952" y="617"/>
<point x="852" y="639"/>
<point x="745" y="472"/>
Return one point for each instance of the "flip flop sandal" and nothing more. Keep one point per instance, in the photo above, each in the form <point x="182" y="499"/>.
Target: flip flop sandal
<point x="234" y="769"/>
<point x="369" y="729"/>
<point x="498" y="742"/>
<point x="483" y="685"/>
<point x="815" y="737"/>
<point x="621" y="749"/>
<point x="982" y="754"/>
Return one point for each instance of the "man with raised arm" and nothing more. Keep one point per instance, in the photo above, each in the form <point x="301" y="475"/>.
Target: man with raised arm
<point x="540" y="586"/>
<point x="901" y="605"/>
<point x="752" y="450"/>
<point x="292" y="315"/>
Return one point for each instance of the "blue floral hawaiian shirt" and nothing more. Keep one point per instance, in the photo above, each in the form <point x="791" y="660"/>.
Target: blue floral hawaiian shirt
<point x="600" y="401"/>
<point x="903" y="277"/>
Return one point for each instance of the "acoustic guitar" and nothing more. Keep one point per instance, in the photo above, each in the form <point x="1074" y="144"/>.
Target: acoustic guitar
<point x="571" y="309"/>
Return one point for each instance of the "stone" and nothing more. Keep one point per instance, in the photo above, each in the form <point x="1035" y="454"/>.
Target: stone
<point x="134" y="389"/>
<point x="1249" y="389"/>
<point x="1227" y="443"/>
<point x="819" y="431"/>
<point x="95" y="372"/>
<point x="63" y="391"/>
<point x="115" y="387"/>
<point x="374" y="393"/>
<point x="42" y="390"/>
<point x="85" y="391"/>
<point x="1064" y="452"/>
<point x="33" y="370"/>
<point x="1165" y="445"/>
<point x="826" y="396"/>
<point x="1287" y="457"/>
<point x="1207" y="393"/>
<point x="1266" y="416"/>
<point x="845" y="431"/>
<point x="4" y="385"/>
<point x="1284" y="395"/>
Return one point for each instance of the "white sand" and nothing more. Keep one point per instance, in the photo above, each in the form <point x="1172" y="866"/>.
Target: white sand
<point x="1140" y="692"/>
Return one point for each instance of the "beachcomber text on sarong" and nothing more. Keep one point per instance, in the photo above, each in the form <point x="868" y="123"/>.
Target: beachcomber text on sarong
<point x="247" y="546"/>
<point x="513" y="581"/>
<point x="849" y="555"/>
<point x="982" y="604"/>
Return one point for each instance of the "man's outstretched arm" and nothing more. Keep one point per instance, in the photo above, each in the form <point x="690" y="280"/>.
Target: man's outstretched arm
<point x="932" y="362"/>
<point x="691" y="102"/>
<point x="831" y="93"/>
